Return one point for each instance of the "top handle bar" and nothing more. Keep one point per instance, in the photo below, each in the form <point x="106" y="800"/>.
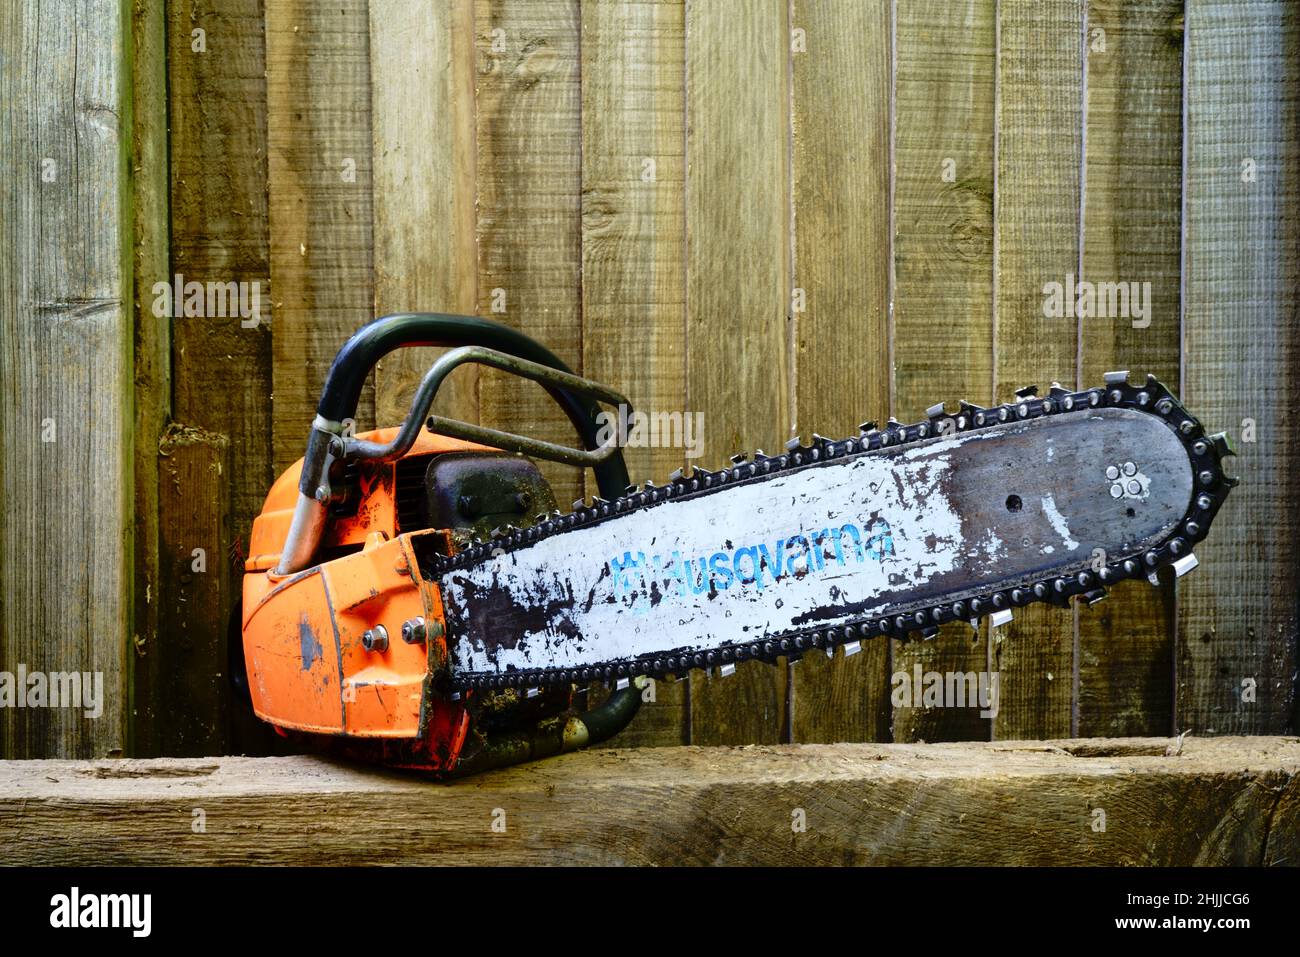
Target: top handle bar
<point x="347" y="374"/>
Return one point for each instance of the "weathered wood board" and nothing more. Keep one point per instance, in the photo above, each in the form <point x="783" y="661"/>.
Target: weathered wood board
<point x="1131" y="235"/>
<point x="1039" y="130"/>
<point x="65" y="371"/>
<point x="320" y="203"/>
<point x="1237" y="617"/>
<point x="1122" y="802"/>
<point x="633" y="254"/>
<point x="839" y="304"/>
<point x="738" y="286"/>
<point x="943" y="338"/>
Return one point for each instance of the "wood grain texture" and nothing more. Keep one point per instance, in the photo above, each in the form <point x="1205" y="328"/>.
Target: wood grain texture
<point x="151" y="351"/>
<point x="192" y="703"/>
<point x="1040" y="123"/>
<point x="633" y="248"/>
<point x="738" y="286"/>
<point x="943" y="263"/>
<point x="840" y="316"/>
<point x="65" y="366"/>
<point x="1221" y="801"/>
<point x="319" y="184"/>
<point x="530" y="205"/>
<point x="422" y="109"/>
<point x="1132" y="234"/>
<point x="221" y="371"/>
<point x="1237" y="613"/>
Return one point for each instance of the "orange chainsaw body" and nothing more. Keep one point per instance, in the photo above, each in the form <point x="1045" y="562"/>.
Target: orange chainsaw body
<point x="344" y="635"/>
<point x="303" y="632"/>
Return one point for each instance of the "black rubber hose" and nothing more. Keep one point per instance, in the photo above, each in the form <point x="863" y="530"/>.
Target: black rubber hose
<point x="370" y="343"/>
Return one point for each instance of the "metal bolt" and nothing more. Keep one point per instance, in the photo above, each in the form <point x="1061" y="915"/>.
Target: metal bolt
<point x="1112" y="472"/>
<point x="1164" y="406"/>
<point x="1134" y="487"/>
<point x="375" y="639"/>
<point x="1130" y="468"/>
<point x="413" y="630"/>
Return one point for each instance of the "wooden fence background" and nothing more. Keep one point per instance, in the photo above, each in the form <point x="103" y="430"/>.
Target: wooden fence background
<point x="788" y="215"/>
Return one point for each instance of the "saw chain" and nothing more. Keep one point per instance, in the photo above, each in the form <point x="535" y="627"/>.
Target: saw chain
<point x="994" y="600"/>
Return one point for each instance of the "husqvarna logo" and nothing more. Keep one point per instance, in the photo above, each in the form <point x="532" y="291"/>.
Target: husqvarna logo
<point x="759" y="565"/>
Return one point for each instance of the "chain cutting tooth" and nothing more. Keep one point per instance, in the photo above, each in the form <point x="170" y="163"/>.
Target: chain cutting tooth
<point x="1093" y="596"/>
<point x="1027" y="392"/>
<point x="1000" y="618"/>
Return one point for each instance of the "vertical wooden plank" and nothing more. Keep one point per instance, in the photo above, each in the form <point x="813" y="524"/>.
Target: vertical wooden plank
<point x="422" y="108"/>
<point x="221" y="373"/>
<point x="1237" y="614"/>
<point x="943" y="262"/>
<point x="529" y="204"/>
<point x="841" y="159"/>
<point x="192" y="699"/>
<point x="65" y="370"/>
<point x="221" y="364"/>
<point x="1039" y="119"/>
<point x="319" y="156"/>
<point x="633" y="218"/>
<point x="150" y="176"/>
<point x="738" y="285"/>
<point x="1132" y="234"/>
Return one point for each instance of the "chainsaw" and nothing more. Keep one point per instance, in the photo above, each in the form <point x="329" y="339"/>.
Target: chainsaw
<point x="414" y="597"/>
